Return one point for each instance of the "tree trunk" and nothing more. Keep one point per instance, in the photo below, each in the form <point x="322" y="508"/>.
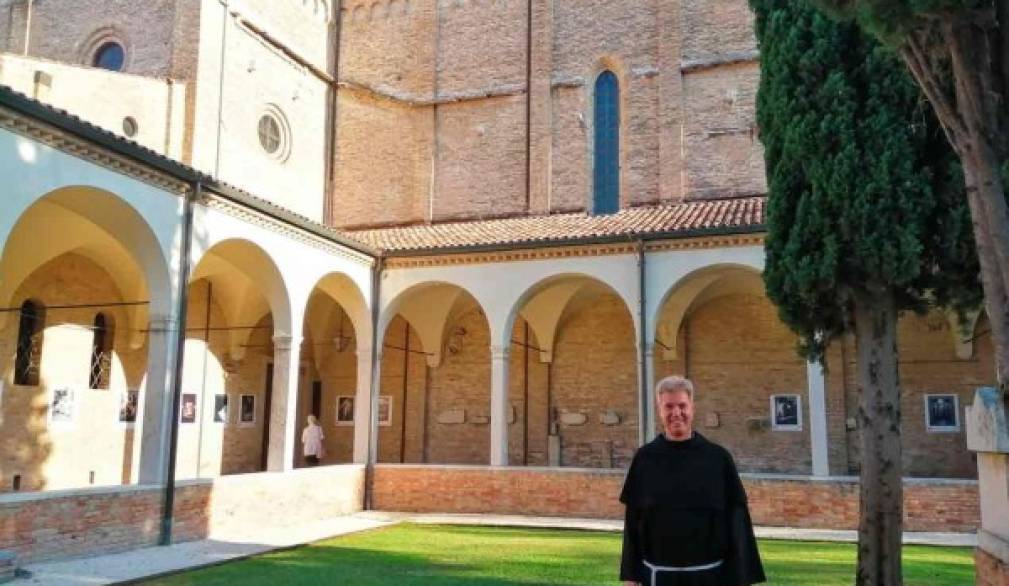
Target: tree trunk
<point x="983" y="184"/>
<point x="881" y="490"/>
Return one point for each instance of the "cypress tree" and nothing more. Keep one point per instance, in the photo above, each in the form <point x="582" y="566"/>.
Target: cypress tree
<point x="866" y="219"/>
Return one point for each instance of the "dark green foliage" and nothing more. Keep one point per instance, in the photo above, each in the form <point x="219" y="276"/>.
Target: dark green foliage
<point x="864" y="191"/>
<point x="892" y="19"/>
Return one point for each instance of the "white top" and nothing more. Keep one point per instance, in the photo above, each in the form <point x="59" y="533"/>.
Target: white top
<point x="312" y="439"/>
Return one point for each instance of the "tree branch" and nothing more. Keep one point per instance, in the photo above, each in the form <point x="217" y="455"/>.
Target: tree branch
<point x="923" y="70"/>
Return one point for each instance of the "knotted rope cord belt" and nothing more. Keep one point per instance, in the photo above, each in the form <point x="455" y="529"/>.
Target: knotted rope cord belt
<point x="656" y="569"/>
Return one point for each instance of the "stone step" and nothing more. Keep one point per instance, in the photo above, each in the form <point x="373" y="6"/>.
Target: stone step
<point x="8" y="566"/>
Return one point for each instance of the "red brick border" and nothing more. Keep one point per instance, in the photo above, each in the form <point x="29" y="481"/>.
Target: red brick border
<point x="929" y="505"/>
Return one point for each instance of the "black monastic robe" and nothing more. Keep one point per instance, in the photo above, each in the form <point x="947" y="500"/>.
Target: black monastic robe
<point x="685" y="507"/>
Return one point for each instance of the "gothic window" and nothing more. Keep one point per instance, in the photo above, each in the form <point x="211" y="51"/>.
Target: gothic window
<point x="101" y="352"/>
<point x="28" y="354"/>
<point x="110" y="55"/>
<point x="606" y="162"/>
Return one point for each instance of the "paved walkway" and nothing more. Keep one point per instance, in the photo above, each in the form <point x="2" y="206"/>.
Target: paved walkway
<point x="241" y="543"/>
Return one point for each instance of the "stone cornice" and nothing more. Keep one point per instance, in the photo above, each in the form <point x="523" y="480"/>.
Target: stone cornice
<point x="255" y="218"/>
<point x="83" y="149"/>
<point x="575" y="251"/>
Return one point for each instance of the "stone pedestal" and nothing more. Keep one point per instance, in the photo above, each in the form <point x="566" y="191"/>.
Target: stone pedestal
<point x="988" y="436"/>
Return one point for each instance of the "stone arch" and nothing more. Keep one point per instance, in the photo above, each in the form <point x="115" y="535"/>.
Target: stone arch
<point x="685" y="294"/>
<point x="249" y="279"/>
<point x="101" y="226"/>
<point x="427" y="307"/>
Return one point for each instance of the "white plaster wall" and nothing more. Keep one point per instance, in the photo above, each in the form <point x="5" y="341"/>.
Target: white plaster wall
<point x="239" y="77"/>
<point x="105" y="98"/>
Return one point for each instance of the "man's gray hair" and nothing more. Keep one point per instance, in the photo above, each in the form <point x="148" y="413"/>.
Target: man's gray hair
<point x="674" y="383"/>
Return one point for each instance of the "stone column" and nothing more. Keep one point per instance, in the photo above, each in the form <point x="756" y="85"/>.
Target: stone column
<point x="648" y="417"/>
<point x="818" y="442"/>
<point x="284" y="403"/>
<point x="162" y="340"/>
<point x="988" y="436"/>
<point x="364" y="427"/>
<point x="499" y="405"/>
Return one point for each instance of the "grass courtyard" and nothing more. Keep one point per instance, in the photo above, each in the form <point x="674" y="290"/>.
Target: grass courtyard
<point x="407" y="555"/>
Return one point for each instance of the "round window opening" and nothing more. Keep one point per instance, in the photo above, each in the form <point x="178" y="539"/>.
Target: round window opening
<point x="269" y="134"/>
<point x="130" y="126"/>
<point x="110" y="56"/>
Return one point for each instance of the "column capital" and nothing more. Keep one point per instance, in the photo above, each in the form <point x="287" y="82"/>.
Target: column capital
<point x="160" y="324"/>
<point x="284" y="342"/>
<point x="500" y="352"/>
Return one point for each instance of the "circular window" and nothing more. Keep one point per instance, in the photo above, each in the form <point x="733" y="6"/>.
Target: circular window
<point x="269" y="134"/>
<point x="130" y="127"/>
<point x="110" y="56"/>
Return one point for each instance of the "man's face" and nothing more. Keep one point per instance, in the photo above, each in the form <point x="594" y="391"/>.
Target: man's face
<point x="676" y="410"/>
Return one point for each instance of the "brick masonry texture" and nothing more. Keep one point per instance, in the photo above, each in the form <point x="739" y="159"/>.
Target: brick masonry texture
<point x="774" y="501"/>
<point x="989" y="570"/>
<point x="67" y="524"/>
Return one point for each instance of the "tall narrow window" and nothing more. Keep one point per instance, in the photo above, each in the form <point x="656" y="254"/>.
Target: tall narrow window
<point x="101" y="352"/>
<point x="28" y="354"/>
<point x="606" y="169"/>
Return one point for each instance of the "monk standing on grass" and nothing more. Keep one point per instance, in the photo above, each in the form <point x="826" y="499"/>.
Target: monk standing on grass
<point x="686" y="522"/>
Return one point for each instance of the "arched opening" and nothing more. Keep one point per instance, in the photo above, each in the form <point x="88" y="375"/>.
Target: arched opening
<point x="336" y="324"/>
<point x="103" y="334"/>
<point x="606" y="155"/>
<point x="718" y="328"/>
<point x="434" y="405"/>
<point x="236" y="294"/>
<point x="573" y="376"/>
<point x="84" y="279"/>
<point x="28" y="354"/>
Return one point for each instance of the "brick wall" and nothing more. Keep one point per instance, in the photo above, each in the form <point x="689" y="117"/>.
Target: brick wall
<point x="65" y="524"/>
<point x="73" y="523"/>
<point x="989" y="570"/>
<point x="774" y="500"/>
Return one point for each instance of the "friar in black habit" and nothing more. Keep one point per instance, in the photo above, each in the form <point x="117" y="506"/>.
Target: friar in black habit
<point x="686" y="521"/>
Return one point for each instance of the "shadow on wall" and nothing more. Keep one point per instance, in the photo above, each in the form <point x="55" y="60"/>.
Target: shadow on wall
<point x="24" y="428"/>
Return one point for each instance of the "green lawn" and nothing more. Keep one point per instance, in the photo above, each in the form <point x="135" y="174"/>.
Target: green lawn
<point x="407" y="555"/>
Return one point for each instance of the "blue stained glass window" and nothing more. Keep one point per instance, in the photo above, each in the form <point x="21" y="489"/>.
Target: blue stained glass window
<point x="110" y="56"/>
<point x="606" y="163"/>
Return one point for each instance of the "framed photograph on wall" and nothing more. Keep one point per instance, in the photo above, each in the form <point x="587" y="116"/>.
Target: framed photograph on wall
<point x="62" y="406"/>
<point x="129" y="403"/>
<point x="247" y="410"/>
<point x="942" y="413"/>
<point x="786" y="412"/>
<point x="221" y="408"/>
<point x="385" y="410"/>
<point x="345" y="410"/>
<point x="187" y="410"/>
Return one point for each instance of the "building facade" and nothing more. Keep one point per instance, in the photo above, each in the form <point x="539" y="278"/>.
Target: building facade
<point x="467" y="232"/>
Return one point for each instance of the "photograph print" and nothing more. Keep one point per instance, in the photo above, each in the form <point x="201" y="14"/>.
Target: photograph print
<point x="61" y="406"/>
<point x="345" y="410"/>
<point x="220" y="408"/>
<point x="942" y="413"/>
<point x="128" y="403"/>
<point x="247" y="410"/>
<point x="786" y="412"/>
<point x="187" y="411"/>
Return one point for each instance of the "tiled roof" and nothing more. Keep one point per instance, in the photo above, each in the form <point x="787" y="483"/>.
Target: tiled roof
<point x="738" y="215"/>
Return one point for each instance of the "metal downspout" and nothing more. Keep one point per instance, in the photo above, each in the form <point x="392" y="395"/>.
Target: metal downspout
<point x="643" y="403"/>
<point x="369" y="467"/>
<point x="180" y="346"/>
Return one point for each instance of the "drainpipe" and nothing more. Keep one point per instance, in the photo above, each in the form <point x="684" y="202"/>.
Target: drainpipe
<point x="28" y="26"/>
<point x="643" y="418"/>
<point x="329" y="181"/>
<point x="180" y="347"/>
<point x="369" y="467"/>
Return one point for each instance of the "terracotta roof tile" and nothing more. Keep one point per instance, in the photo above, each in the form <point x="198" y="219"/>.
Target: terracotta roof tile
<point x="682" y="219"/>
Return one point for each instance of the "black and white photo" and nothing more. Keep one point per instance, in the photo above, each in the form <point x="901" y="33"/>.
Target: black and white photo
<point x="187" y="411"/>
<point x="220" y="408"/>
<point x="128" y="403"/>
<point x="61" y="406"/>
<point x="786" y="412"/>
<point x="247" y="410"/>
<point x="942" y="413"/>
<point x="345" y="410"/>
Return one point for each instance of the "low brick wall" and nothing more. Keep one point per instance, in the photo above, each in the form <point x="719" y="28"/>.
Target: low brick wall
<point x="990" y="560"/>
<point x="786" y="501"/>
<point x="72" y="523"/>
